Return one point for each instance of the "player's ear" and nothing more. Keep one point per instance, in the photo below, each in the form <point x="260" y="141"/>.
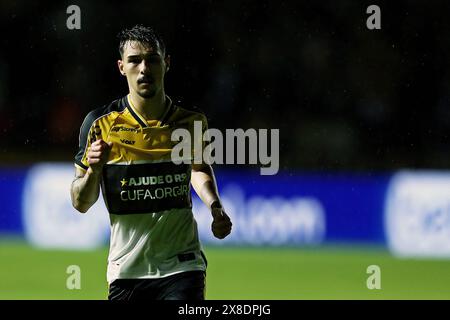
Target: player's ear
<point x="167" y="61"/>
<point x="120" y="65"/>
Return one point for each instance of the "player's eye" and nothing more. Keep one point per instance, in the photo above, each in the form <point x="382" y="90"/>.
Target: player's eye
<point x="154" y="60"/>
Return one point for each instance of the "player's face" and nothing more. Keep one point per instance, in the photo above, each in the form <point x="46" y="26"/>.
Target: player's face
<point x="144" y="67"/>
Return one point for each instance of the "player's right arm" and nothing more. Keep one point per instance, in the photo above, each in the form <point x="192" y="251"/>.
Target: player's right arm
<point x="85" y="187"/>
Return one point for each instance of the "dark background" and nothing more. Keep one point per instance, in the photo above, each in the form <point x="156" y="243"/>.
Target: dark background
<point x="344" y="97"/>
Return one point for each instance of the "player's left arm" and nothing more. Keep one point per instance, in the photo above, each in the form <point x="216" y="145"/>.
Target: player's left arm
<point x="204" y="183"/>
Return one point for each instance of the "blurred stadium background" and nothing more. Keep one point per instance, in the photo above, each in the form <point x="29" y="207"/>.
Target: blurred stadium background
<point x="364" y="124"/>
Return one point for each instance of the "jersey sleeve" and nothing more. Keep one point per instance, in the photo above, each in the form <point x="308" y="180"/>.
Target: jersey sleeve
<point x="89" y="132"/>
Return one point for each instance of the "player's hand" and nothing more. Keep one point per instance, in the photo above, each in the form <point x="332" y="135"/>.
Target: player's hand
<point x="98" y="154"/>
<point x="221" y="225"/>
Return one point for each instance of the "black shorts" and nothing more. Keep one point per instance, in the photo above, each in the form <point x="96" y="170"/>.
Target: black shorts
<point x="188" y="285"/>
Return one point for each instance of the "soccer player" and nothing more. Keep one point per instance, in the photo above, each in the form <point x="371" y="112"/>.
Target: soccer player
<point x="125" y="149"/>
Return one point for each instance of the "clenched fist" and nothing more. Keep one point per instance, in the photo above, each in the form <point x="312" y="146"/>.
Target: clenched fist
<point x="98" y="154"/>
<point x="221" y="225"/>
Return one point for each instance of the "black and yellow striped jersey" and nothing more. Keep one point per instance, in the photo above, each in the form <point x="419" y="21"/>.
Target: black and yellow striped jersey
<point x="147" y="195"/>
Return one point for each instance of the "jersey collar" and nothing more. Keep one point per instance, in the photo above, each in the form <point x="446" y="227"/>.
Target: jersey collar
<point x="141" y="120"/>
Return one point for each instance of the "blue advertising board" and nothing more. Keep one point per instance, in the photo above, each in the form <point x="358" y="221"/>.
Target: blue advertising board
<point x="408" y="211"/>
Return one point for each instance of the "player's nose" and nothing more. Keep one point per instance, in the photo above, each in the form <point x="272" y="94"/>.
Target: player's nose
<point x="144" y="67"/>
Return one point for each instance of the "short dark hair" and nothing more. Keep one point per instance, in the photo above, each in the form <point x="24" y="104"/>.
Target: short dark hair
<point x="145" y="35"/>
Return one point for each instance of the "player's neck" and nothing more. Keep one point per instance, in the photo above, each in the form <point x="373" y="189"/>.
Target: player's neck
<point x="150" y="108"/>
